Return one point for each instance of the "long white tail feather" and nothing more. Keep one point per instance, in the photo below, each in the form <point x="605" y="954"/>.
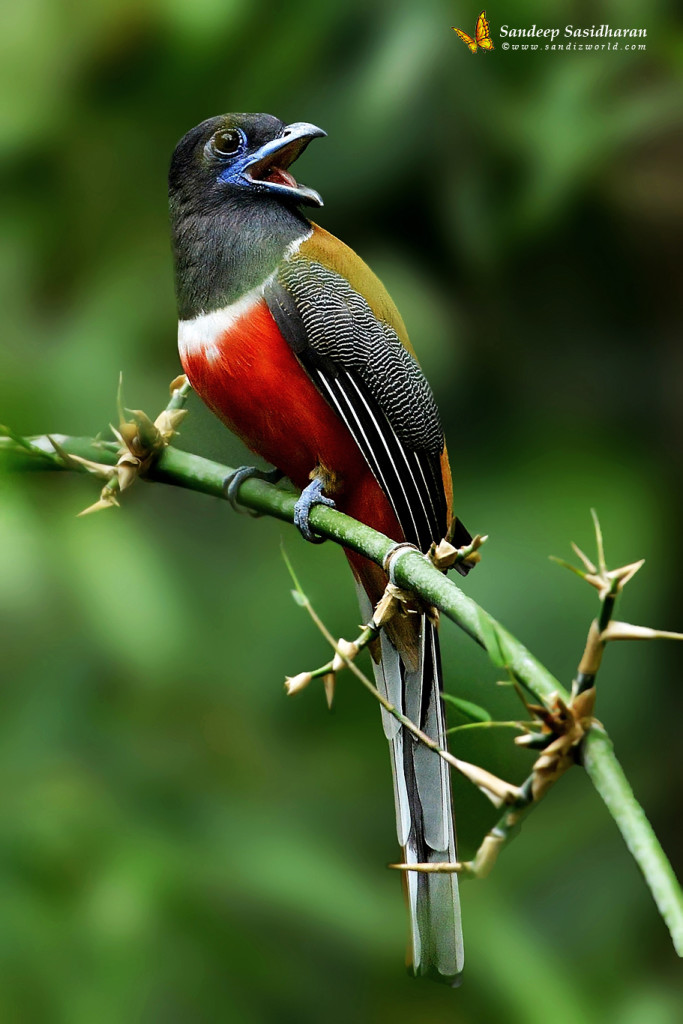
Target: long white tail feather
<point x="422" y="795"/>
<point x="401" y="799"/>
<point x="390" y="685"/>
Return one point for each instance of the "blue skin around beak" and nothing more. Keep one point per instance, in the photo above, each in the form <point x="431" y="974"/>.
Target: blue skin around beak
<point x="266" y="169"/>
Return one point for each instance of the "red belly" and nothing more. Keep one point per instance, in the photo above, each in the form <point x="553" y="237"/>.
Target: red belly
<point x="257" y="387"/>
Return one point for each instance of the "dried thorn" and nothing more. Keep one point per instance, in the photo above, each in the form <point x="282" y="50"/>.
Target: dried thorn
<point x="626" y="573"/>
<point x="108" y="501"/>
<point x="299" y="682"/>
<point x="601" y="584"/>
<point x="179" y="383"/>
<point x="534" y="740"/>
<point x="329" y="681"/>
<point x="444" y="555"/>
<point x="96" y="468"/>
<point x="393" y="601"/>
<point x="497" y="790"/>
<point x="346" y="651"/>
<point x="584" y="558"/>
<point x="625" y="631"/>
<point x="167" y="423"/>
<point x="128" y="470"/>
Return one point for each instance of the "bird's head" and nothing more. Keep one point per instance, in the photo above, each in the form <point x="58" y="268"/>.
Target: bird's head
<point x="241" y="157"/>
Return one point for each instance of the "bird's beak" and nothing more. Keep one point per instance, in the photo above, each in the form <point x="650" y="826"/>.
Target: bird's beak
<point x="270" y="164"/>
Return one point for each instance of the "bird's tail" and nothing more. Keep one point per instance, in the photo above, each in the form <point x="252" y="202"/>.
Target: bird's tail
<point x="422" y="794"/>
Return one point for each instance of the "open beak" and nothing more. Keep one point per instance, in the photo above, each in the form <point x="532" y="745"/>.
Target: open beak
<point x="270" y="164"/>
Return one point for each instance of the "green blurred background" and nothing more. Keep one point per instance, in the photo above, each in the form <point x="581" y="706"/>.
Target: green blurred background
<point x="178" y="841"/>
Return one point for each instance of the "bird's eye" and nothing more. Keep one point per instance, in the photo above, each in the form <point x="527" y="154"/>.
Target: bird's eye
<point x="228" y="142"/>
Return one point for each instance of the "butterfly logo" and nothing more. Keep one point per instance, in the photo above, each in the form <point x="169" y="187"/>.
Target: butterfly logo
<point x="482" y="35"/>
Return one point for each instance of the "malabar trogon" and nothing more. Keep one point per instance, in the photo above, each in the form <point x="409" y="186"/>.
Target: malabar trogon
<point x="293" y="342"/>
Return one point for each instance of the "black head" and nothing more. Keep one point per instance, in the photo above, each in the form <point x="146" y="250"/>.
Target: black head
<point x="241" y="157"/>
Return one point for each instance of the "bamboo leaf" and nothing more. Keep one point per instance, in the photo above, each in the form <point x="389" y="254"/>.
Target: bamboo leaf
<point x="466" y="708"/>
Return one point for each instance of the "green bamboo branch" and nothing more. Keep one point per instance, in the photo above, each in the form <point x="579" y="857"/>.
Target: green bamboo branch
<point x="496" y="790"/>
<point x="411" y="572"/>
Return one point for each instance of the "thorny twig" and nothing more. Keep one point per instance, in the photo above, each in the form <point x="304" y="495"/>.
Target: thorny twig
<point x="417" y="575"/>
<point x="563" y="724"/>
<point x="140" y="442"/>
<point x="497" y="790"/>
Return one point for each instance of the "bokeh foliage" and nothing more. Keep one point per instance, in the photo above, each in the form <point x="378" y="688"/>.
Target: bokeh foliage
<point x="177" y="841"/>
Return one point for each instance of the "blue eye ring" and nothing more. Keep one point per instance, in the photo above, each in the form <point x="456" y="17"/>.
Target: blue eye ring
<point x="228" y="142"/>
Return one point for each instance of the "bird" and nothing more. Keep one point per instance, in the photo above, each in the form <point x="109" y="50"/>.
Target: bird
<point x="294" y="343"/>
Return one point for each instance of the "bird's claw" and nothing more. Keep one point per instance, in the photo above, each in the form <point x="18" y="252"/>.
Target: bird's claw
<point x="310" y="496"/>
<point x="234" y="481"/>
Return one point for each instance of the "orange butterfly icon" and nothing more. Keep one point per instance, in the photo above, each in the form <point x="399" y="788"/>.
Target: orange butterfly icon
<point x="482" y="35"/>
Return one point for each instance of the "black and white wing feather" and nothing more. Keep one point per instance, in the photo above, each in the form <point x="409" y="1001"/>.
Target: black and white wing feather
<point x="359" y="365"/>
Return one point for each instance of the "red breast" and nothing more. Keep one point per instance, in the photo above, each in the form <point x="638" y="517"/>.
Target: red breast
<point x="238" y="362"/>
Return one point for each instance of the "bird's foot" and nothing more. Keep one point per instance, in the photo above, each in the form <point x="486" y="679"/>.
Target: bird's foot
<point x="234" y="481"/>
<point x="310" y="496"/>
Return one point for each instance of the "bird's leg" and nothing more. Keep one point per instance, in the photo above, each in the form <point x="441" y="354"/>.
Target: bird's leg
<point x="234" y="481"/>
<point x="312" y="495"/>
